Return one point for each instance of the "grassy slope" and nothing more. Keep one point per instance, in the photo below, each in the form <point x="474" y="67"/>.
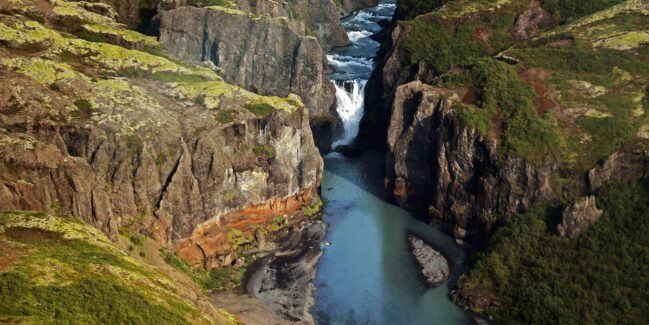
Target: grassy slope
<point x="59" y="270"/>
<point x="589" y="92"/>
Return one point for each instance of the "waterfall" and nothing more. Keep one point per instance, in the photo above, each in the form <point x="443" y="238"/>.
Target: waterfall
<point x="349" y="105"/>
<point x="352" y="66"/>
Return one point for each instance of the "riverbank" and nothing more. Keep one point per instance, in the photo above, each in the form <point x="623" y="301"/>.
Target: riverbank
<point x="277" y="288"/>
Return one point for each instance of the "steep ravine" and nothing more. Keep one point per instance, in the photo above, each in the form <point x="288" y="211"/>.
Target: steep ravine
<point x="367" y="273"/>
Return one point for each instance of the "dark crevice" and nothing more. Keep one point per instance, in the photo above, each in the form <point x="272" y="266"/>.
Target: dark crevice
<point x="204" y="255"/>
<point x="168" y="181"/>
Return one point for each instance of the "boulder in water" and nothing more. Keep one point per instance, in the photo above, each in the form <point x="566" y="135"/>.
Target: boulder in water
<point x="434" y="267"/>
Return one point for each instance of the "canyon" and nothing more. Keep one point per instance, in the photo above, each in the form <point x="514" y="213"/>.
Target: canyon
<point x="205" y="140"/>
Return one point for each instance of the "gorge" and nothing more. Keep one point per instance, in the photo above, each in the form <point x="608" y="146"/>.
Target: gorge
<point x="367" y="274"/>
<point x="329" y="162"/>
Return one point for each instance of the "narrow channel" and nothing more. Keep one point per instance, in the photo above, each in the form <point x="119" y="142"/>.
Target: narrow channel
<point x="367" y="274"/>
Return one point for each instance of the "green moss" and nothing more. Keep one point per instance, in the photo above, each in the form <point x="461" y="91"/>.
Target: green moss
<point x="135" y="63"/>
<point x="65" y="267"/>
<point x="230" y="195"/>
<point x="565" y="9"/>
<point x="44" y="71"/>
<point x="85" y="109"/>
<point x="206" y="3"/>
<point x="474" y="117"/>
<point x="225" y="116"/>
<point x="314" y="209"/>
<point x="260" y="109"/>
<point x="74" y="11"/>
<point x="128" y="36"/>
<point x="264" y="151"/>
<point x="238" y="238"/>
<point x="29" y="35"/>
<point x="278" y="223"/>
<point x="112" y="303"/>
<point x="221" y="279"/>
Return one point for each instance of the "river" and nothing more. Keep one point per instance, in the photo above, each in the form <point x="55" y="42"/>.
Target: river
<point x="367" y="274"/>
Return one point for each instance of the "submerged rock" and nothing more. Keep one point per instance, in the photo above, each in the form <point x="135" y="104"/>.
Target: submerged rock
<point x="434" y="267"/>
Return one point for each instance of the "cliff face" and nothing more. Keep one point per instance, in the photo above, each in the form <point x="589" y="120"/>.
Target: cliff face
<point x="434" y="162"/>
<point x="506" y="121"/>
<point x="122" y="137"/>
<point x="258" y="53"/>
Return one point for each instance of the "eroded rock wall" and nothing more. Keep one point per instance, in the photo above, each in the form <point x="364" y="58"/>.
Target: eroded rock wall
<point x="126" y="139"/>
<point x="436" y="163"/>
<point x="256" y="53"/>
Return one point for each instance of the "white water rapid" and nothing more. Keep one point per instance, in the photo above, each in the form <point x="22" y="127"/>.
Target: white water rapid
<point x="350" y="95"/>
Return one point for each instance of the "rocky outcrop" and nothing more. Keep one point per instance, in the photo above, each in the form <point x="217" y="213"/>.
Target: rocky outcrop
<point x="435" y="162"/>
<point x="305" y="17"/>
<point x="630" y="163"/>
<point x="578" y="217"/>
<point x="126" y="138"/>
<point x="532" y="21"/>
<point x="283" y="281"/>
<point x="257" y="53"/>
<point x="321" y="19"/>
<point x="392" y="70"/>
<point x="434" y="266"/>
<point x="134" y="13"/>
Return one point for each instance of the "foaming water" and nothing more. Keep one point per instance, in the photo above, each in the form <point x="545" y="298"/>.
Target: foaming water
<point x="355" y="36"/>
<point x="353" y="65"/>
<point x="350" y="102"/>
<point x="367" y="274"/>
<point x="344" y="62"/>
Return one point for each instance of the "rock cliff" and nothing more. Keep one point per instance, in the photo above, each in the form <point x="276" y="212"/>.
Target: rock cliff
<point x="478" y="121"/>
<point x="578" y="217"/>
<point x="259" y="53"/>
<point x="436" y="163"/>
<point x="121" y="137"/>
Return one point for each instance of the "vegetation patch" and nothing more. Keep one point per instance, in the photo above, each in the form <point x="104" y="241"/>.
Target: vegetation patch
<point x="85" y="109"/>
<point x="570" y="9"/>
<point x="474" y="117"/>
<point x="541" y="278"/>
<point x="314" y="209"/>
<point x="238" y="238"/>
<point x="504" y="96"/>
<point x="221" y="279"/>
<point x="260" y="109"/>
<point x="23" y="300"/>
<point x="70" y="272"/>
<point x="264" y="151"/>
<point x="207" y="3"/>
<point x="225" y="116"/>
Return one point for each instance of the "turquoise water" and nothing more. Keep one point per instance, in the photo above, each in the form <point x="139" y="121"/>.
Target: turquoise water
<point x="368" y="275"/>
